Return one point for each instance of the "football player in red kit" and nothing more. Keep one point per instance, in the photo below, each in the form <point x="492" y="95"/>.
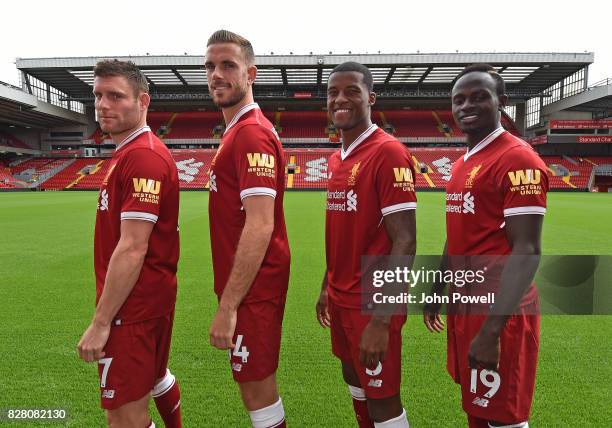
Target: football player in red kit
<point x="136" y="250"/>
<point x="371" y="207"/>
<point x="249" y="244"/>
<point x="495" y="205"/>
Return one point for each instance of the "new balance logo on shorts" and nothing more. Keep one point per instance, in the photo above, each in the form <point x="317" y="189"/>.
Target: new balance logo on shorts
<point x="482" y="402"/>
<point x="108" y="393"/>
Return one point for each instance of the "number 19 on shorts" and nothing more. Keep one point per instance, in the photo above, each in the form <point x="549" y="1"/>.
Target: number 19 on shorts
<point x="489" y="378"/>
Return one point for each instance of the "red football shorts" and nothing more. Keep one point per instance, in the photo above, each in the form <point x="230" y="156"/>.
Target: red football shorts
<point x="347" y="325"/>
<point x="257" y="338"/>
<point x="136" y="355"/>
<point x="504" y="396"/>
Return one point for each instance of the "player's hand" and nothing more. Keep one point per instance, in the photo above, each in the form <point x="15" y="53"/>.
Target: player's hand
<point x="222" y="328"/>
<point x="484" y="351"/>
<point x="322" y="309"/>
<point x="374" y="343"/>
<point x="432" y="318"/>
<point x="93" y="341"/>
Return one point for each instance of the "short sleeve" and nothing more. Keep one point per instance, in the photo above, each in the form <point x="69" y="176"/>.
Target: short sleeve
<point x="395" y="179"/>
<point x="524" y="183"/>
<point x="144" y="176"/>
<point x="256" y="160"/>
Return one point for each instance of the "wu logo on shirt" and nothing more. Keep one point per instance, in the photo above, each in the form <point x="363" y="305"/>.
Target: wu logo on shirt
<point x="261" y="160"/>
<point x="468" y="203"/>
<point x="351" y="201"/>
<point x="403" y="175"/>
<point x="524" y="176"/>
<point x="144" y="185"/>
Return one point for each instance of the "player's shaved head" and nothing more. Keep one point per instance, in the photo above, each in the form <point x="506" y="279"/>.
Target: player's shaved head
<point x="500" y="86"/>
<point x="359" y="68"/>
<point x="226" y="36"/>
<point x="127" y="69"/>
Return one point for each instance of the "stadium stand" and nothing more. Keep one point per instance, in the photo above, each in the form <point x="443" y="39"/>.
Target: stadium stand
<point x="71" y="175"/>
<point x="412" y="104"/>
<point x="306" y="168"/>
<point x="9" y="140"/>
<point x="190" y="124"/>
<point x="193" y="166"/>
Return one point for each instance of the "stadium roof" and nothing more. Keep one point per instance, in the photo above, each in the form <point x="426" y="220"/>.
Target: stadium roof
<point x="596" y="99"/>
<point x="20" y="108"/>
<point x="417" y="75"/>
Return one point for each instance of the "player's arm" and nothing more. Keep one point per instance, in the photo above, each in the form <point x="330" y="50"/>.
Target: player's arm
<point x="252" y="247"/>
<point x="523" y="233"/>
<point x="401" y="229"/>
<point x="431" y="311"/>
<point x="322" y="304"/>
<point x="123" y="272"/>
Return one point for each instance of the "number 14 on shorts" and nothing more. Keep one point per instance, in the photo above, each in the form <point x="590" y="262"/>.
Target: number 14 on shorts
<point x="239" y="350"/>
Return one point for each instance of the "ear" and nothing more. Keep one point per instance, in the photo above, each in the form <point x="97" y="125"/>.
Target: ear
<point x="145" y="100"/>
<point x="252" y="73"/>
<point x="371" y="99"/>
<point x="503" y="100"/>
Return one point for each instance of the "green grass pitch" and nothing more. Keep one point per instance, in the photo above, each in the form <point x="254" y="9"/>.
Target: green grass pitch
<point x="47" y="296"/>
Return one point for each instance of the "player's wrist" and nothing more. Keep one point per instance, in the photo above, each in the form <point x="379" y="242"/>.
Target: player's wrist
<point x="493" y="327"/>
<point x="101" y="321"/>
<point x="227" y="307"/>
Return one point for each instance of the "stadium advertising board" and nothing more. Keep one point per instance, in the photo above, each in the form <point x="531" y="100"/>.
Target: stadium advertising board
<point x="595" y="139"/>
<point x="581" y="124"/>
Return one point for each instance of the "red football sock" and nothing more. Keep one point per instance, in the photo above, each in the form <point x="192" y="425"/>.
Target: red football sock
<point x="361" y="413"/>
<point x="168" y="404"/>
<point x="474" y="422"/>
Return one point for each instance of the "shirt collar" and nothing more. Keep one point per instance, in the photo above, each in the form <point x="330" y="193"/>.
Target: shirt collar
<point x="239" y="114"/>
<point x="365" y="134"/>
<point x="484" y="143"/>
<point x="133" y="136"/>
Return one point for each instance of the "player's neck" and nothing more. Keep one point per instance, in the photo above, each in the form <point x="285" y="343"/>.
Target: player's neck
<point x="230" y="112"/>
<point x="350" y="135"/>
<point x="118" y="138"/>
<point x="473" y="138"/>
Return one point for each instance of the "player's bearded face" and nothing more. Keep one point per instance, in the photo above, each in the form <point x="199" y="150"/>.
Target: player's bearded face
<point x="118" y="108"/>
<point x="348" y="100"/>
<point x="227" y="74"/>
<point x="475" y="104"/>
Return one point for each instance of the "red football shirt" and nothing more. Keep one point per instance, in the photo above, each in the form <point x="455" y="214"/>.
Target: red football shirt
<point x="249" y="162"/>
<point x="374" y="177"/>
<point x="501" y="176"/>
<point x="141" y="184"/>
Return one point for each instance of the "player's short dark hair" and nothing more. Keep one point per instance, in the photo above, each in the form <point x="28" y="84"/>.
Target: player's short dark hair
<point x="359" y="68"/>
<point x="500" y="86"/>
<point x="127" y="69"/>
<point x="226" y="36"/>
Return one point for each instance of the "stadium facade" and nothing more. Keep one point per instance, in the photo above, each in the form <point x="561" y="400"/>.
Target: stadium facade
<point x="49" y="138"/>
